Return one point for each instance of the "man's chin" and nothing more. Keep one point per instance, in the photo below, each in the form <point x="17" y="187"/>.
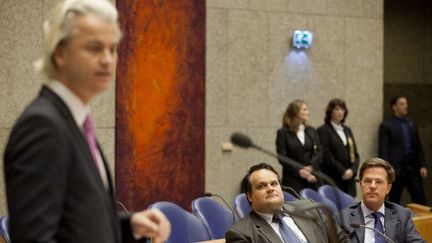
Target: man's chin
<point x="275" y="206"/>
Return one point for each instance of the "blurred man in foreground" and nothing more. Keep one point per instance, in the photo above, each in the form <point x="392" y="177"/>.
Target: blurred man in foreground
<point x="57" y="182"/>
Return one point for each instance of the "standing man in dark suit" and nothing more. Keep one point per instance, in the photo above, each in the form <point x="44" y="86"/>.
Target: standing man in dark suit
<point x="57" y="183"/>
<point x="268" y="222"/>
<point x="376" y="177"/>
<point x="341" y="159"/>
<point x="399" y="144"/>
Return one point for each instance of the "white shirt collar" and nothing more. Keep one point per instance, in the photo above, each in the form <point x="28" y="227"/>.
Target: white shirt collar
<point x="367" y="212"/>
<point x="337" y="127"/>
<point x="268" y="217"/>
<point x="301" y="127"/>
<point x="78" y="109"/>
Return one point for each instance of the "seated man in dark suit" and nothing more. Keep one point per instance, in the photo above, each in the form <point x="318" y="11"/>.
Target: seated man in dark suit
<point x="268" y="221"/>
<point x="376" y="176"/>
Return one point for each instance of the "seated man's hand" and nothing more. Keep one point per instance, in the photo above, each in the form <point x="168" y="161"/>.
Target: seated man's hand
<point x="151" y="223"/>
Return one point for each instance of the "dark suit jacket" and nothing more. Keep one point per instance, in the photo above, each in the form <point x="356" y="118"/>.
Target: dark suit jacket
<point x="391" y="146"/>
<point x="54" y="190"/>
<point x="337" y="157"/>
<point x="288" y="144"/>
<point x="397" y="223"/>
<point x="253" y="228"/>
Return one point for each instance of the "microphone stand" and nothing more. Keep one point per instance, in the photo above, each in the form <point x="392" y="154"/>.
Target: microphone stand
<point x="367" y="227"/>
<point x="234" y="213"/>
<point x="244" y="141"/>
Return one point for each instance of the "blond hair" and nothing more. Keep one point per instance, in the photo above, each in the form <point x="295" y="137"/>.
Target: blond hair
<point x="59" y="26"/>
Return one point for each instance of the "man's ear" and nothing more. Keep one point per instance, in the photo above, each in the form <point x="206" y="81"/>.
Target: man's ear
<point x="248" y="195"/>
<point x="58" y="56"/>
<point x="389" y="186"/>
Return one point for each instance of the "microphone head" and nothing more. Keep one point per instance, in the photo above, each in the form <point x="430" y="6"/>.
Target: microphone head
<point x="355" y="225"/>
<point x="241" y="140"/>
<point x="208" y="194"/>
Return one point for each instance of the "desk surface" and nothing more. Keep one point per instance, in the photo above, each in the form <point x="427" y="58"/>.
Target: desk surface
<point x="419" y="210"/>
<point x="422" y="220"/>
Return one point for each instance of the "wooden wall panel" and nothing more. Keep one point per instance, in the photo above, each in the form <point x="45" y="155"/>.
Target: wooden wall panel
<point x="160" y="102"/>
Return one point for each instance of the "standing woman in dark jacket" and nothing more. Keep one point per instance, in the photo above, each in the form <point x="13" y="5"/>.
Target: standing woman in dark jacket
<point x="341" y="159"/>
<point x="299" y="142"/>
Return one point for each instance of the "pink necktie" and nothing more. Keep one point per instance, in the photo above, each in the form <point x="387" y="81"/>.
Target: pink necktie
<point x="91" y="140"/>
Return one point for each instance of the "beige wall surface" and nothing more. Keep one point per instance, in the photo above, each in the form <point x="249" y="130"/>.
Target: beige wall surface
<point x="252" y="74"/>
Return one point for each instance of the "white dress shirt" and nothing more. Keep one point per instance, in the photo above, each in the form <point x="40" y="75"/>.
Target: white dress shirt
<point x="340" y="131"/>
<point x="370" y="221"/>
<point x="79" y="112"/>
<point x="301" y="133"/>
<point x="288" y="220"/>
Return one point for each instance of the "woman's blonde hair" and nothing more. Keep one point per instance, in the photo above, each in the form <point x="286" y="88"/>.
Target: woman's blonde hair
<point x="290" y="119"/>
<point x="59" y="26"/>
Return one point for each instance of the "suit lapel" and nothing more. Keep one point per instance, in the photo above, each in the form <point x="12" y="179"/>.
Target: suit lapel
<point x="264" y="228"/>
<point x="390" y="221"/>
<point x="397" y="128"/>
<point x="75" y="131"/>
<point x="305" y="227"/>
<point x="357" y="218"/>
<point x="334" y="132"/>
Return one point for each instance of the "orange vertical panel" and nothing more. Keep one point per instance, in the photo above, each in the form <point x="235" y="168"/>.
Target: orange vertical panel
<point x="160" y="102"/>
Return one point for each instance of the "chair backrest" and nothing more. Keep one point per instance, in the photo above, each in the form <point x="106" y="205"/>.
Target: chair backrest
<point x="185" y="227"/>
<point x="289" y="197"/>
<point x="329" y="192"/>
<point x="216" y="218"/>
<point x="315" y="196"/>
<point x="241" y="205"/>
<point x="4" y="228"/>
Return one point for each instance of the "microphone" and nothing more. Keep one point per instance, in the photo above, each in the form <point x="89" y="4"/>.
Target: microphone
<point x="371" y="228"/>
<point x="290" y="189"/>
<point x="303" y="212"/>
<point x="234" y="213"/>
<point x="300" y="211"/>
<point x="244" y="141"/>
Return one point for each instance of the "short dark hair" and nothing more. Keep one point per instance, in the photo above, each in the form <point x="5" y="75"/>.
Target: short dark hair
<point x="246" y="180"/>
<point x="395" y="99"/>
<point x="378" y="162"/>
<point x="331" y="106"/>
<point x="246" y="185"/>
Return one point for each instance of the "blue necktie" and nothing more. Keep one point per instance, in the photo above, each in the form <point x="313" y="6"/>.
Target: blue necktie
<point x="287" y="233"/>
<point x="379" y="227"/>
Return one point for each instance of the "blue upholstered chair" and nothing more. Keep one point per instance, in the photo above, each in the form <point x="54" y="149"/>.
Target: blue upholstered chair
<point x="216" y="218"/>
<point x="241" y="205"/>
<point x="185" y="227"/>
<point x="315" y="196"/>
<point x="329" y="192"/>
<point x="4" y="228"/>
